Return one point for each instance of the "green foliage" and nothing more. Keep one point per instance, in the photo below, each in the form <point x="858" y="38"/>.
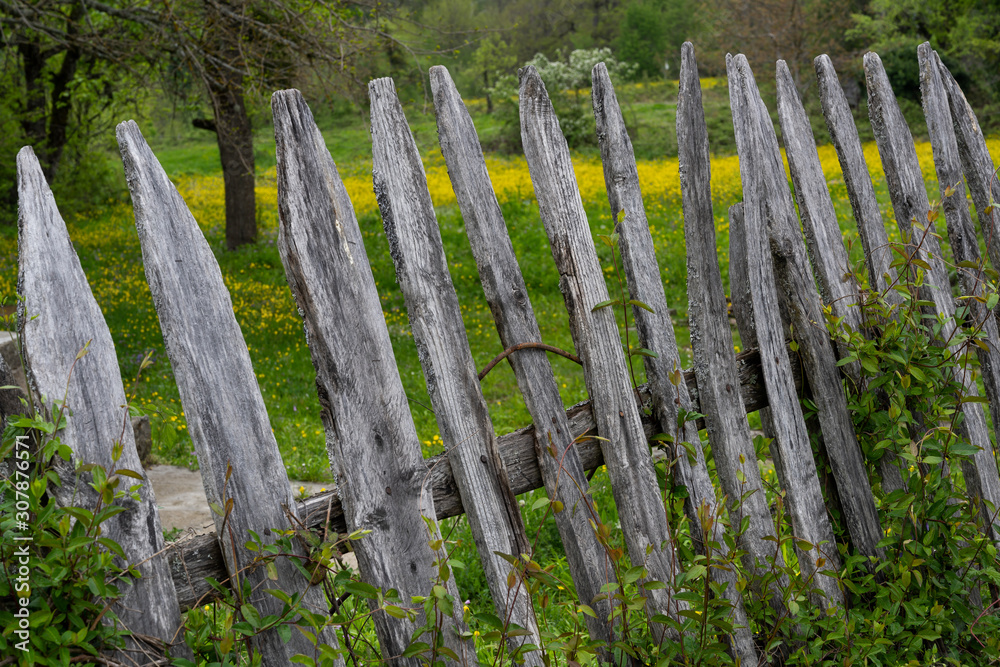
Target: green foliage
<point x="57" y="566"/>
<point x="966" y="33"/>
<point x="651" y="34"/>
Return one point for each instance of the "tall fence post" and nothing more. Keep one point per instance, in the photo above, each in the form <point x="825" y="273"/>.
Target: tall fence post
<point x="656" y="334"/>
<point x="790" y="448"/>
<point x="240" y="463"/>
<point x="507" y="295"/>
<point x="58" y="318"/>
<point x="909" y="199"/>
<point x="372" y="441"/>
<point x="442" y="344"/>
<point x="714" y="359"/>
<point x="595" y="334"/>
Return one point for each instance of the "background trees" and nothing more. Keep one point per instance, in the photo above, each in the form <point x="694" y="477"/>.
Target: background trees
<point x="71" y="68"/>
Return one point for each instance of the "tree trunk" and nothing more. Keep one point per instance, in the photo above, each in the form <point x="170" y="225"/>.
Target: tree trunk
<point x="233" y="132"/>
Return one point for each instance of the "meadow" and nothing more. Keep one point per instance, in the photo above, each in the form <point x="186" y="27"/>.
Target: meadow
<point x="108" y="247"/>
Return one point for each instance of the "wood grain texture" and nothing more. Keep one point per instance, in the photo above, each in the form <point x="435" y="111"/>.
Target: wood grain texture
<point x="964" y="248"/>
<point x="655" y="331"/>
<point x="225" y="413"/>
<point x="198" y="557"/>
<point x="372" y="441"/>
<point x="857" y="178"/>
<point x="795" y="278"/>
<point x="442" y="345"/>
<point x="977" y="164"/>
<point x="830" y="262"/>
<point x="909" y="199"/>
<point x="57" y="319"/>
<point x="711" y="338"/>
<point x="595" y="335"/>
<point x="867" y="216"/>
<point x="507" y="296"/>
<point x="794" y="464"/>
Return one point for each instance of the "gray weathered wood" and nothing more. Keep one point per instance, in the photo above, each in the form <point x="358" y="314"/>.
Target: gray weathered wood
<point x="795" y="278"/>
<point x="198" y="557"/>
<point x="655" y="331"/>
<point x="909" y="199"/>
<point x="977" y="164"/>
<point x="827" y="253"/>
<point x="857" y="178"/>
<point x="439" y="333"/>
<point x="595" y="335"/>
<point x="372" y="441"/>
<point x="57" y="319"/>
<point x="711" y="338"/>
<point x="507" y="295"/>
<point x="964" y="248"/>
<point x="218" y="388"/>
<point x="794" y="463"/>
<point x="867" y="216"/>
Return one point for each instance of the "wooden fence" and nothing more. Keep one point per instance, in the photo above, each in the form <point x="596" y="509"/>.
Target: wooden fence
<point x="780" y="282"/>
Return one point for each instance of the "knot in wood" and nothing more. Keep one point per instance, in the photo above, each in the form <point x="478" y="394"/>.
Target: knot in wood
<point x="388" y="491"/>
<point x="482" y="457"/>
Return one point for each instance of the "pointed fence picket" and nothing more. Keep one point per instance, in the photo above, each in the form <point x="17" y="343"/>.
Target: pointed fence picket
<point x="70" y="358"/>
<point x="711" y="337"/>
<point x="916" y="224"/>
<point x="656" y="332"/>
<point x="386" y="487"/>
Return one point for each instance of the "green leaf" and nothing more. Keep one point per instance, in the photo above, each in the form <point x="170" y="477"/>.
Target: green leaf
<point x="604" y="304"/>
<point x="640" y="304"/>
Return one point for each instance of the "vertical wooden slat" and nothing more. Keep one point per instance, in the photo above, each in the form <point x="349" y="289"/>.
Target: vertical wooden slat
<point x="372" y="441"/>
<point x="711" y="339"/>
<point x="507" y="296"/>
<point x="794" y="463"/>
<point x="222" y="403"/>
<point x="827" y="253"/>
<point x="795" y="278"/>
<point x="595" y="334"/>
<point x="439" y="333"/>
<point x="909" y="199"/>
<point x="857" y="179"/>
<point x="867" y="217"/>
<point x="976" y="163"/>
<point x="655" y="331"/>
<point x="58" y="317"/>
<point x="964" y="248"/>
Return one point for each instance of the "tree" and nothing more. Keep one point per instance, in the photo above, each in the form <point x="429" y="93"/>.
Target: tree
<point x="233" y="47"/>
<point x="652" y="32"/>
<point x="793" y="30"/>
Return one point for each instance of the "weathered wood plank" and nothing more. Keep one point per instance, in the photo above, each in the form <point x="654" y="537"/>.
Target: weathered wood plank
<point x="218" y="388"/>
<point x="655" y="331"/>
<point x="976" y="163"/>
<point x="827" y="253"/>
<point x="507" y="295"/>
<point x="909" y="199"/>
<point x="795" y="278"/>
<point x="857" y="178"/>
<point x="595" y="335"/>
<point x="198" y="557"/>
<point x="711" y="339"/>
<point x="794" y="464"/>
<point x="867" y="216"/>
<point x="964" y="248"/>
<point x="439" y="333"/>
<point x="372" y="441"/>
<point x="57" y="319"/>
